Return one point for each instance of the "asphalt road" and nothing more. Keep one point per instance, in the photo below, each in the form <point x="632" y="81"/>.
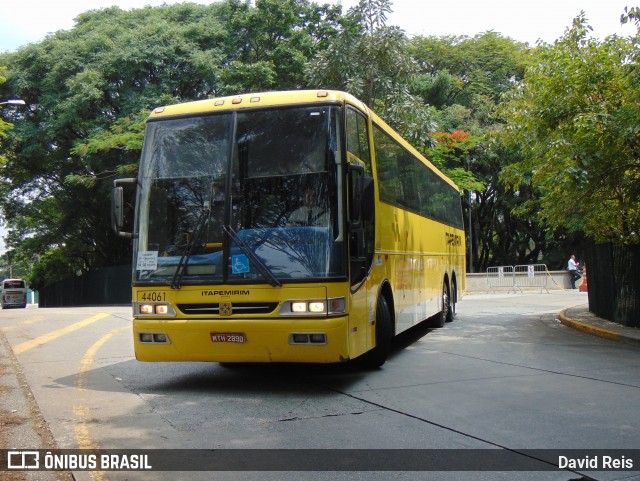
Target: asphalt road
<point x="506" y="375"/>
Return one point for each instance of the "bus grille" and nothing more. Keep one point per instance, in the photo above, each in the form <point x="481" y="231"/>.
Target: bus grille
<point x="240" y="308"/>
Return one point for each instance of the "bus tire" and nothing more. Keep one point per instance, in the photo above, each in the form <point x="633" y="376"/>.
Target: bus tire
<point x="439" y="320"/>
<point x="452" y="303"/>
<point x="377" y="356"/>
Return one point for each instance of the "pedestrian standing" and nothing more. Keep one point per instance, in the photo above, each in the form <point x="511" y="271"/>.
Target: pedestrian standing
<point x="572" y="266"/>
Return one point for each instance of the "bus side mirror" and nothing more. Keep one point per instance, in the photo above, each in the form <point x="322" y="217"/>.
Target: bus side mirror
<point x="117" y="214"/>
<point x="117" y="207"/>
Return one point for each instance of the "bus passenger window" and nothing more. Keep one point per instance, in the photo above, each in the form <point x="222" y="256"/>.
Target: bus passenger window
<point x="357" y="138"/>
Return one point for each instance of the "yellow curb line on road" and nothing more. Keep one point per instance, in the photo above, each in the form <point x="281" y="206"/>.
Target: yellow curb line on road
<point x="38" y="341"/>
<point x="80" y="407"/>
<point x="21" y="324"/>
<point x="598" y="331"/>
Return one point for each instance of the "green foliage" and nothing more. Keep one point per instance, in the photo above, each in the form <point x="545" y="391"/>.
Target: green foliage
<point x="370" y="60"/>
<point x="463" y="71"/>
<point x="577" y="121"/>
<point x="465" y="78"/>
<point x="453" y="154"/>
<point x="4" y="126"/>
<point x="51" y="266"/>
<point x="89" y="90"/>
<point x="272" y="42"/>
<point x="569" y="149"/>
<point x="366" y="58"/>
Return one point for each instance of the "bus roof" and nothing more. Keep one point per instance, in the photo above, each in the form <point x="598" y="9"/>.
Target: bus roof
<point x="256" y="100"/>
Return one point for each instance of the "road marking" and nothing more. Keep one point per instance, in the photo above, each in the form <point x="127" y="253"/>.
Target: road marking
<point x="80" y="405"/>
<point x="23" y="323"/>
<point x="39" y="341"/>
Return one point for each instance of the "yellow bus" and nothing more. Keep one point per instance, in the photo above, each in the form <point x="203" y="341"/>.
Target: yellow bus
<point x="286" y="227"/>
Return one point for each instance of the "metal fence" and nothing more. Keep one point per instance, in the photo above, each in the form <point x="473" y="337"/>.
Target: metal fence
<point x="614" y="283"/>
<point x="500" y="277"/>
<point x="518" y="277"/>
<point x="109" y="285"/>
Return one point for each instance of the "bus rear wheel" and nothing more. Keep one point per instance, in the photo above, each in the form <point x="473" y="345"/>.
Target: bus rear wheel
<point x="377" y="356"/>
<point x="445" y="314"/>
<point x="453" y="300"/>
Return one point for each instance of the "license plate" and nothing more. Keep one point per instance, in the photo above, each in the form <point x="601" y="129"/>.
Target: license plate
<point x="238" y="337"/>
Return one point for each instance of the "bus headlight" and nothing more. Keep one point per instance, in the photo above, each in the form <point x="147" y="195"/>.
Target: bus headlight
<point x="146" y="309"/>
<point x="298" y="307"/>
<point x="316" y="306"/>
<point x="153" y="309"/>
<point x="162" y="309"/>
<point x="305" y="307"/>
<point x="335" y="305"/>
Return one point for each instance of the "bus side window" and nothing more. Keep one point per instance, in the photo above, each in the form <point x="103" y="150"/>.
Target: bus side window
<point x="358" y="139"/>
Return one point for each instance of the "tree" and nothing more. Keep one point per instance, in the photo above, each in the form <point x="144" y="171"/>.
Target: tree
<point x="78" y="83"/>
<point x="272" y="41"/>
<point x="466" y="79"/>
<point x="89" y="89"/>
<point x="371" y="61"/>
<point x="453" y="153"/>
<point x="4" y="126"/>
<point x="460" y="70"/>
<point x="577" y="121"/>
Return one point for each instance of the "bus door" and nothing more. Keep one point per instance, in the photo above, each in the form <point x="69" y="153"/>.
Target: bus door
<point x="361" y="231"/>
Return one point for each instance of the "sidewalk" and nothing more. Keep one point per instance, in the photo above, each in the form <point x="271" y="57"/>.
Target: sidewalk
<point x="22" y="426"/>
<point x="580" y="318"/>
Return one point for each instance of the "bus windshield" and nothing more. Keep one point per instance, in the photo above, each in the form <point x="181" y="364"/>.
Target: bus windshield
<point x="247" y="196"/>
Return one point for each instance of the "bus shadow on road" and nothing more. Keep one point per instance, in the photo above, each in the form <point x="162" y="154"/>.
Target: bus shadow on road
<point x="409" y="337"/>
<point x="212" y="377"/>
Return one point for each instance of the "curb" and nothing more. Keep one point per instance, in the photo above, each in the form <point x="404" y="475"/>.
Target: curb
<point x="596" y="330"/>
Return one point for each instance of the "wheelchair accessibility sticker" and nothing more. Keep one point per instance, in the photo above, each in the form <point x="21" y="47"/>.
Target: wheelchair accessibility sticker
<point x="239" y="264"/>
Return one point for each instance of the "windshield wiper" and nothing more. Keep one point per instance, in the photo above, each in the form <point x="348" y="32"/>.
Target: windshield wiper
<point x="264" y="270"/>
<point x="196" y="235"/>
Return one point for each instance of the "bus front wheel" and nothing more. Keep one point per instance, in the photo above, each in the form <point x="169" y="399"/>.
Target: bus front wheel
<point x="377" y="356"/>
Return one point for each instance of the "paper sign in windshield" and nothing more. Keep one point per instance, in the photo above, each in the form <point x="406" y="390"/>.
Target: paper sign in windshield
<point x="147" y="261"/>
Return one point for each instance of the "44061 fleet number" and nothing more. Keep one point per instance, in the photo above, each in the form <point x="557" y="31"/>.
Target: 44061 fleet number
<point x="152" y="296"/>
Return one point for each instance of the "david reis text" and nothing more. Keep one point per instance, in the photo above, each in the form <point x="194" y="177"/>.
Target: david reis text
<point x="595" y="462"/>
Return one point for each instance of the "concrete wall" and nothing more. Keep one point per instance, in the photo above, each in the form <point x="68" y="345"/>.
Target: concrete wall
<point x="552" y="280"/>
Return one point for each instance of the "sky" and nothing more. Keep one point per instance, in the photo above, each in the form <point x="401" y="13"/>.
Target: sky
<point x="28" y="21"/>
